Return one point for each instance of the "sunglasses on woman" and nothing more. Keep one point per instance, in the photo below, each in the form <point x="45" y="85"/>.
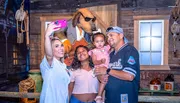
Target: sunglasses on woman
<point x="88" y="18"/>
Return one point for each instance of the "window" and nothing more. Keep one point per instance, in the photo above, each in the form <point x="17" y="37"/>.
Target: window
<point x="151" y="36"/>
<point x="15" y="55"/>
<point x="151" y="42"/>
<point x="46" y="23"/>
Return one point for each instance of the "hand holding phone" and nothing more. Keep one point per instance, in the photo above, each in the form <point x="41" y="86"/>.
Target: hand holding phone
<point x="61" y="23"/>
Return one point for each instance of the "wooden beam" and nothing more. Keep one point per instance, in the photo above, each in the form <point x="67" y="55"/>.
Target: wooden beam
<point x="19" y="94"/>
<point x="161" y="99"/>
<point x="167" y="99"/>
<point x="100" y="3"/>
<point x="151" y="17"/>
<point x="48" y="6"/>
<point x="119" y="23"/>
<point x="53" y="11"/>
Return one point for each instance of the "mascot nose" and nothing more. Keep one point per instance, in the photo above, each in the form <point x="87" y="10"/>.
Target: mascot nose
<point x="93" y="27"/>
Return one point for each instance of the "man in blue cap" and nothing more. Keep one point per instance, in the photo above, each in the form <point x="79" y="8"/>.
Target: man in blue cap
<point x="123" y="71"/>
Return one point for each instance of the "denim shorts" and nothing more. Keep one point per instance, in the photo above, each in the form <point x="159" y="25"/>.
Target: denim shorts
<point x="75" y="100"/>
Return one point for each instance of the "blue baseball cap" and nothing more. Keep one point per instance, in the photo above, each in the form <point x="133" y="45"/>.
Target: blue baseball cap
<point x="116" y="29"/>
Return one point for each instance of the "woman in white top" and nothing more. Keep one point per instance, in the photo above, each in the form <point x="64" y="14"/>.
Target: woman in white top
<point x="53" y="70"/>
<point x="83" y="85"/>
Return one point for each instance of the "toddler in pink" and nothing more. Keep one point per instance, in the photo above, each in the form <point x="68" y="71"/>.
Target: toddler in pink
<point x="100" y="57"/>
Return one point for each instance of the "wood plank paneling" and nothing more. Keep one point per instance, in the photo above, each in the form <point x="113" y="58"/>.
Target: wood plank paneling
<point x="107" y="15"/>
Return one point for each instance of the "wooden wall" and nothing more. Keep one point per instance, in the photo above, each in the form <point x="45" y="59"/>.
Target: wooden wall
<point x="106" y="15"/>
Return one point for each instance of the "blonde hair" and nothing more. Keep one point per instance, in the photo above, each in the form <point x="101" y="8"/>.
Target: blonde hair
<point x="52" y="41"/>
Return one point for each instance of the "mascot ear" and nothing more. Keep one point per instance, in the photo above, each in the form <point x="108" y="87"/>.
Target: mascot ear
<point x="75" y="19"/>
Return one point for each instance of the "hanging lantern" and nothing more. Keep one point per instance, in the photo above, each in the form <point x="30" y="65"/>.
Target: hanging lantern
<point x="175" y="29"/>
<point x="20" y="16"/>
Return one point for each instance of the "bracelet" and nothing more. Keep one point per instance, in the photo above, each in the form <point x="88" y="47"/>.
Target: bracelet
<point x="108" y="70"/>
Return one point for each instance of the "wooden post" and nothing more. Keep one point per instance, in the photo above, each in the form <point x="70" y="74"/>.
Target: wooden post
<point x="119" y="23"/>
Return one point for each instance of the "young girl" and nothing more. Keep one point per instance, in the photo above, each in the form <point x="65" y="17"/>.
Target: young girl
<point x="100" y="57"/>
<point x="83" y="87"/>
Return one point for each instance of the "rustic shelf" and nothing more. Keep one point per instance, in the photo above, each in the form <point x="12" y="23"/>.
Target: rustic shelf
<point x="152" y="92"/>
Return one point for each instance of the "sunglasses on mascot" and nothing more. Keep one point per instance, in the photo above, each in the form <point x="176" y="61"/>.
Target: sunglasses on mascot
<point x="88" y="18"/>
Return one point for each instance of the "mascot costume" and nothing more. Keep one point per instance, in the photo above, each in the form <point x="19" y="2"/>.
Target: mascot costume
<point x="78" y="32"/>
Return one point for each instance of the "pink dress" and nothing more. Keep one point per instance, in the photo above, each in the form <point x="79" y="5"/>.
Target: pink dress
<point x="100" y="54"/>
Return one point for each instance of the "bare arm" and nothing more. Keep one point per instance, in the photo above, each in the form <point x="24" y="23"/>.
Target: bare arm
<point x="121" y="75"/>
<point x="48" y="49"/>
<point x="118" y="74"/>
<point x="103" y="78"/>
<point x="71" y="86"/>
<point x="47" y="42"/>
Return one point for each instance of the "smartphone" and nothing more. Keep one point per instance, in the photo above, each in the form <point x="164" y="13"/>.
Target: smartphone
<point x="61" y="23"/>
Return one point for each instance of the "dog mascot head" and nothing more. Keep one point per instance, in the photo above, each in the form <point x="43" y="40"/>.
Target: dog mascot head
<point x="84" y="19"/>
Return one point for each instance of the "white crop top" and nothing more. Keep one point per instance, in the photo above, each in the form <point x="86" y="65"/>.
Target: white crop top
<point x="84" y="81"/>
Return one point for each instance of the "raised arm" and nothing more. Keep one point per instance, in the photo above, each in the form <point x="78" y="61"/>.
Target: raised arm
<point x="48" y="46"/>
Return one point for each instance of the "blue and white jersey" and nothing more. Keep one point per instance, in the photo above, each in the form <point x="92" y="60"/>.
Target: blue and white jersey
<point x="122" y="91"/>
